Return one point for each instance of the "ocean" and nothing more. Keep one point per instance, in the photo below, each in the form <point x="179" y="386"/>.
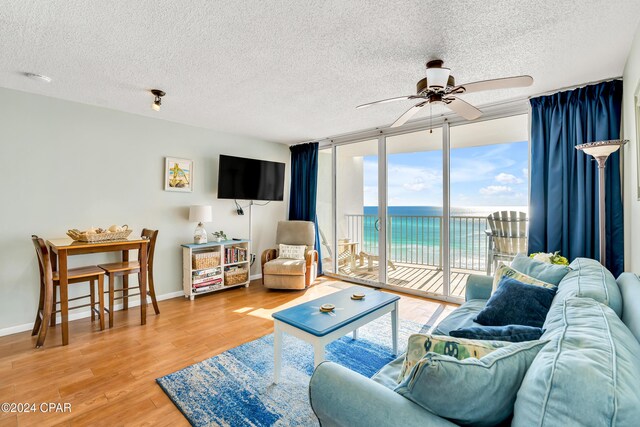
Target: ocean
<point x="414" y="234"/>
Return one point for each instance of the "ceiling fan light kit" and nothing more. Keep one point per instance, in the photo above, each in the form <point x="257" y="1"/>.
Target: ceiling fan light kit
<point x="157" y="102"/>
<point x="439" y="87"/>
<point x="437" y="75"/>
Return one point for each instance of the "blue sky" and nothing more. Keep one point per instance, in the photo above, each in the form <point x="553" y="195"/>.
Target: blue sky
<point x="489" y="175"/>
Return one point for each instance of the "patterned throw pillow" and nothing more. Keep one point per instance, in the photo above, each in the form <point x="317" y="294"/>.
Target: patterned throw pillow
<point x="506" y="271"/>
<point x="420" y="344"/>
<point x="292" y="251"/>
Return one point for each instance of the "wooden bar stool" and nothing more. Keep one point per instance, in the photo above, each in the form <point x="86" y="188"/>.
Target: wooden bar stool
<point x="124" y="269"/>
<point x="49" y="282"/>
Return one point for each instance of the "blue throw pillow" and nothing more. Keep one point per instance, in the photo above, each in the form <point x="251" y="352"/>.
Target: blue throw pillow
<point x="511" y="333"/>
<point x="476" y="392"/>
<point x="550" y="273"/>
<point x="516" y="303"/>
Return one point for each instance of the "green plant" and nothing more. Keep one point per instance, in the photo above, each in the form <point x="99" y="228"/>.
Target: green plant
<point x="219" y="234"/>
<point x="552" y="258"/>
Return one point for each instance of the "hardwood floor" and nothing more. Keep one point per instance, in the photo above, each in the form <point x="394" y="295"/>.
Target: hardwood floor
<point x="109" y="377"/>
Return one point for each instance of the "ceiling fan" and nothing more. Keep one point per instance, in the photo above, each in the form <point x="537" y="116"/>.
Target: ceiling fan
<point x="439" y="87"/>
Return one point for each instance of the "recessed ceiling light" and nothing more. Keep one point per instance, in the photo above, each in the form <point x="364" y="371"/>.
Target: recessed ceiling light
<point x="38" y="77"/>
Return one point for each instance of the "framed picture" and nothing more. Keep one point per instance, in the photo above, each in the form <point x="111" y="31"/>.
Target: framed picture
<point x="178" y="175"/>
<point x="636" y="100"/>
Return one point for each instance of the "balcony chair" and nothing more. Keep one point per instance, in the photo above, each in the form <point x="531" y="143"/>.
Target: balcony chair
<point x="49" y="282"/>
<point x="125" y="268"/>
<point x="507" y="237"/>
<point x="347" y="253"/>
<point x="281" y="273"/>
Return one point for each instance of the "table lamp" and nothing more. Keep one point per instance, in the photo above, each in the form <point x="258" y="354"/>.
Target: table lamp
<point x="601" y="150"/>
<point x="200" y="214"/>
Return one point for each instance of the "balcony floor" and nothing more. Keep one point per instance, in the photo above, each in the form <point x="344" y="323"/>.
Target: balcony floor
<point x="414" y="276"/>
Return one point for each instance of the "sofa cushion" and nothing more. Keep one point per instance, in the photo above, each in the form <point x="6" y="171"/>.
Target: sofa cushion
<point x="421" y="344"/>
<point x="388" y="374"/>
<point x="511" y="333"/>
<point x="504" y="270"/>
<point x="285" y="267"/>
<point x="479" y="392"/>
<point x="462" y="317"/>
<point x="629" y="285"/>
<point x="587" y="374"/>
<point x="590" y="279"/>
<point x="549" y="273"/>
<point x="517" y="303"/>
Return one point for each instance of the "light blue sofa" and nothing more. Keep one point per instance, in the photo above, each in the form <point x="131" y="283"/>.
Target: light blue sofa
<point x="587" y="374"/>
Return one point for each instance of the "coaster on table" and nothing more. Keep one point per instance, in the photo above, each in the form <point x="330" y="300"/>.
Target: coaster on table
<point x="326" y="308"/>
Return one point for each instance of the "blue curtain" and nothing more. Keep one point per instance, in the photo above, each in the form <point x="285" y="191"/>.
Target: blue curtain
<point x="564" y="181"/>
<point x="304" y="187"/>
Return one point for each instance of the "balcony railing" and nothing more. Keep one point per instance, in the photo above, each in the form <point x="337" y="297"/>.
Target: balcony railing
<point x="418" y="239"/>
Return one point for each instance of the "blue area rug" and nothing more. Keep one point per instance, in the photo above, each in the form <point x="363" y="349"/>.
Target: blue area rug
<point x="236" y="387"/>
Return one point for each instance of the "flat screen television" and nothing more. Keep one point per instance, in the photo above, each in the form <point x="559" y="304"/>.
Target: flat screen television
<point x="250" y="179"/>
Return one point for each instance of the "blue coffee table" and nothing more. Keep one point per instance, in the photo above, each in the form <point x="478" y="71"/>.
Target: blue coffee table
<point x="305" y="321"/>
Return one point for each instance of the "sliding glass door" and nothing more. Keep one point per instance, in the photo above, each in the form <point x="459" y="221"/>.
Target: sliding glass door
<point x="414" y="214"/>
<point x="489" y="164"/>
<point x="409" y="211"/>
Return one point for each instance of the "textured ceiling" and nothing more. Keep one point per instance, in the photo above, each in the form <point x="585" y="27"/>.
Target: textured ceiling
<point x="290" y="71"/>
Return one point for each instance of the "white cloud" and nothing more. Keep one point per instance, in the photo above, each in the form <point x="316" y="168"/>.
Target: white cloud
<point x="525" y="172"/>
<point x="418" y="184"/>
<point x="507" y="178"/>
<point x="495" y="189"/>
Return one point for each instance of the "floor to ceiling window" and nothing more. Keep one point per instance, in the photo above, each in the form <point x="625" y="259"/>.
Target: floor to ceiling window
<point x="409" y="211"/>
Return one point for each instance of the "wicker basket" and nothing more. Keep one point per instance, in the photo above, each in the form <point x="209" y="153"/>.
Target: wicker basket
<point x="82" y="236"/>
<point x="204" y="260"/>
<point x="235" y="276"/>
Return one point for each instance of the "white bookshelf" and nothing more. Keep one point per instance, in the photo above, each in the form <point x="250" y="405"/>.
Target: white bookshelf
<point x="233" y="255"/>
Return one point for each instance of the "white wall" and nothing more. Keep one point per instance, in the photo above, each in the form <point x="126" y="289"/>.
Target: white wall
<point x="67" y="165"/>
<point x="631" y="82"/>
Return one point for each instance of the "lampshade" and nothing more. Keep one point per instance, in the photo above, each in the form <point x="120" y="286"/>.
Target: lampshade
<point x="437" y="77"/>
<point x="601" y="148"/>
<point x="200" y="214"/>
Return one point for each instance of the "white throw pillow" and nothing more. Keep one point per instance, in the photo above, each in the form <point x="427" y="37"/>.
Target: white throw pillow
<point x="292" y="251"/>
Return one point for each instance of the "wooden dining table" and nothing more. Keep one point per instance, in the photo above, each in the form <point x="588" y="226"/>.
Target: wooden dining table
<point x="62" y="248"/>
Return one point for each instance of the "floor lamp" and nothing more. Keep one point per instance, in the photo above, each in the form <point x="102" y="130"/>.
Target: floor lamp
<point x="601" y="151"/>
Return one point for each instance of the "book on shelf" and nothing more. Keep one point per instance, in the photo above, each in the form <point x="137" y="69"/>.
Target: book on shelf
<point x="207" y="283"/>
<point x="207" y="288"/>
<point x="206" y="279"/>
<point x="235" y="254"/>
<point x="213" y="270"/>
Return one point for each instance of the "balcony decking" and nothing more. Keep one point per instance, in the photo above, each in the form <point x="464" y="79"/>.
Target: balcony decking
<point x="414" y="276"/>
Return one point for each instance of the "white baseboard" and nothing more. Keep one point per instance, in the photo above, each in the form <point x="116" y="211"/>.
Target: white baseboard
<point x="256" y="276"/>
<point x="75" y="315"/>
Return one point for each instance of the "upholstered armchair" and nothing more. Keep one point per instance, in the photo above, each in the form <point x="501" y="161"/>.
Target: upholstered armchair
<point x="287" y="273"/>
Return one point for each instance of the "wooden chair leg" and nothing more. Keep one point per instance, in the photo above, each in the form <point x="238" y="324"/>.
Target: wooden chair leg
<point x="100" y="300"/>
<point x="125" y="292"/>
<point x="111" y="296"/>
<point x="152" y="293"/>
<point x="47" y="312"/>
<point x="92" y="296"/>
<point x="54" y="299"/>
<point x="39" y="313"/>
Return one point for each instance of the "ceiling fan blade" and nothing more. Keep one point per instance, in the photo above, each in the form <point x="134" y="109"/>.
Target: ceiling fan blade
<point x="408" y="114"/>
<point x="504" y="83"/>
<point x="384" y="101"/>
<point x="463" y="108"/>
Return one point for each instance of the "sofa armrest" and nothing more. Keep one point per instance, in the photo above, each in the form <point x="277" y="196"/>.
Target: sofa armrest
<point x="343" y="398"/>
<point x="311" y="257"/>
<point x="268" y="255"/>
<point x="478" y="287"/>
